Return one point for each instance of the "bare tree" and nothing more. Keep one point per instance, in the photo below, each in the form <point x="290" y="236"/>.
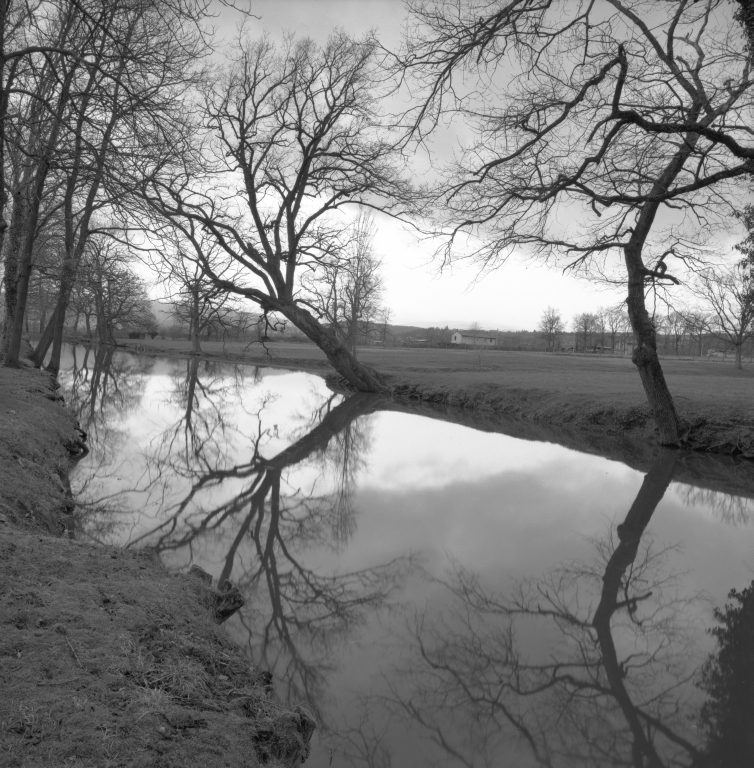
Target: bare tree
<point x="584" y="326"/>
<point x="90" y="99"/>
<point x="119" y="297"/>
<point x="37" y="132"/>
<point x="727" y="293"/>
<point x="634" y="124"/>
<point x="347" y="290"/>
<point x="197" y="300"/>
<point x="697" y="323"/>
<point x="617" y="324"/>
<point x="600" y="327"/>
<point x="551" y="326"/>
<point x="383" y="318"/>
<point x="144" y="60"/>
<point x="298" y="129"/>
<point x="676" y="327"/>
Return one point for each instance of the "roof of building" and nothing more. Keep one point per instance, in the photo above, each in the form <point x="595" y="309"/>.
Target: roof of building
<point x="474" y="335"/>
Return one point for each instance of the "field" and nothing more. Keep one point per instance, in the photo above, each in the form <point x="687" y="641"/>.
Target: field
<point x="711" y="389"/>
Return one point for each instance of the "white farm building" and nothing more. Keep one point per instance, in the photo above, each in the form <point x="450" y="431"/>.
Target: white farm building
<point x="474" y="338"/>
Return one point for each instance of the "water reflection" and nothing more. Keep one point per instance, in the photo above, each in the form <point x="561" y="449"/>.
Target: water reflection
<point x="296" y="617"/>
<point x="254" y="519"/>
<point x="103" y="388"/>
<point x="729" y="509"/>
<point x="594" y="662"/>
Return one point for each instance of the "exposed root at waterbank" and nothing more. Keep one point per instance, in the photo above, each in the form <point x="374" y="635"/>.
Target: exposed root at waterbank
<point x="106" y="659"/>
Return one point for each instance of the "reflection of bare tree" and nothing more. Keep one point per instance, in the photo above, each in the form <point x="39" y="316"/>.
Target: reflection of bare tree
<point x="199" y="439"/>
<point x="589" y="665"/>
<point x="730" y="509"/>
<point x="295" y="616"/>
<point x="102" y="387"/>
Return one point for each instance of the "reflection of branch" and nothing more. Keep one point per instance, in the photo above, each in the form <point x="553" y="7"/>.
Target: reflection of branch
<point x="630" y="532"/>
<point x="605" y="681"/>
<point x="271" y="523"/>
<point x="733" y="510"/>
<point x="362" y="743"/>
<point x="102" y="389"/>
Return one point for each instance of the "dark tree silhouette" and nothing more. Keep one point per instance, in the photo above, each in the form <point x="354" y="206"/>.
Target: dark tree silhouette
<point x="728" y="679"/>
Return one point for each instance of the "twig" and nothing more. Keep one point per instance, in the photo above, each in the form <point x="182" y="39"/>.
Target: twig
<point x="73" y="651"/>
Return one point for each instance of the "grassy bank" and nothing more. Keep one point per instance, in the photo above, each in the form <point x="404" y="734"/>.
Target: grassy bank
<point x="590" y="393"/>
<point x="105" y="658"/>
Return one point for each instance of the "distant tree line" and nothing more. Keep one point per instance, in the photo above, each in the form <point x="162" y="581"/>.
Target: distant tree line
<point x="719" y="318"/>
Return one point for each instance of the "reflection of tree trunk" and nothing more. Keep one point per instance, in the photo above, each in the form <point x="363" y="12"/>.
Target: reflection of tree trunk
<point x="192" y="375"/>
<point x="630" y="532"/>
<point x="257" y="504"/>
<point x="339" y="418"/>
<point x="102" y="361"/>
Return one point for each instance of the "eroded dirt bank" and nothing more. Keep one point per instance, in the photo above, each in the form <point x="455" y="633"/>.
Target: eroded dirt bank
<point x="725" y="430"/>
<point x="105" y="658"/>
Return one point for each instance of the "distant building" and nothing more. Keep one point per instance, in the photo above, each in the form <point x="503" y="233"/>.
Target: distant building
<point x="474" y="338"/>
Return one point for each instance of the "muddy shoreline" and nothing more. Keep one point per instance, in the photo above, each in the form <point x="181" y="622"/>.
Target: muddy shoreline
<point x="106" y="658"/>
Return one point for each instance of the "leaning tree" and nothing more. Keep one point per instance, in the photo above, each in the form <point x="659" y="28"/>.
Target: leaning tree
<point x="289" y="136"/>
<point x="613" y="134"/>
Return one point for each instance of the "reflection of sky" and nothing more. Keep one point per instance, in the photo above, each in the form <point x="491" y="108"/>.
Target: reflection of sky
<point x="505" y="508"/>
<point x="416" y="452"/>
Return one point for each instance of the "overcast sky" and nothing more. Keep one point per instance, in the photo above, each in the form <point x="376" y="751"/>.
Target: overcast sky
<point x="514" y="296"/>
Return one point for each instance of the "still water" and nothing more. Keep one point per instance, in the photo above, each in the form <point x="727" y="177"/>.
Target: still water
<point x="436" y="594"/>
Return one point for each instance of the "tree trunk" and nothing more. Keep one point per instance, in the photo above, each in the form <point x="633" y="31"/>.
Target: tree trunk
<point x="645" y="356"/>
<point x="67" y="280"/>
<point x="16" y="331"/>
<point x="42" y="309"/>
<point x="38" y="355"/>
<point x="336" y="421"/>
<point x="10" y="275"/>
<point x="361" y="377"/>
<point x="739" y="350"/>
<point x="33" y="191"/>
